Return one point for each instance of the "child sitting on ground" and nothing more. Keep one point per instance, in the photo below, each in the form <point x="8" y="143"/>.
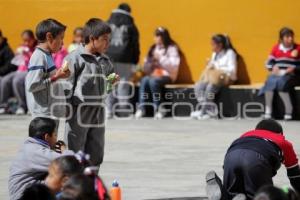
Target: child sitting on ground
<point x="84" y="186"/>
<point x="252" y="161"/>
<point x="33" y="159"/>
<point x="60" y="170"/>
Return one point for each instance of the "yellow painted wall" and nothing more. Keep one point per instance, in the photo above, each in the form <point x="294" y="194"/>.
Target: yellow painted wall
<point x="253" y="25"/>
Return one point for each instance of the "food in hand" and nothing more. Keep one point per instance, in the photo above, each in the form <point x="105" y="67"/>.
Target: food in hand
<point x="65" y="66"/>
<point x="111" y="79"/>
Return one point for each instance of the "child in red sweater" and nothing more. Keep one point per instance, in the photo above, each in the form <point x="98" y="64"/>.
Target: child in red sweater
<point x="253" y="160"/>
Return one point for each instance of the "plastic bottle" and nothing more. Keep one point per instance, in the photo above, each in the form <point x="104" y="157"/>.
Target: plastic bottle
<point x="115" y="191"/>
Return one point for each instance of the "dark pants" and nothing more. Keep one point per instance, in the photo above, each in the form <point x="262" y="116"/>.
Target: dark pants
<point x="245" y="171"/>
<point x="85" y="131"/>
<point x="151" y="87"/>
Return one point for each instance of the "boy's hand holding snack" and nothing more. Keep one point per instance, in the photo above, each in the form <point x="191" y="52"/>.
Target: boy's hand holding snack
<point x="62" y="72"/>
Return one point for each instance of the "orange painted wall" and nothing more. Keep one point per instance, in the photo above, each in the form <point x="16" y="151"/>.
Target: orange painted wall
<point x="253" y="25"/>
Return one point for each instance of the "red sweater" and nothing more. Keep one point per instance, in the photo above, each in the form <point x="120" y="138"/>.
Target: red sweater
<point x="289" y="156"/>
<point x="282" y="59"/>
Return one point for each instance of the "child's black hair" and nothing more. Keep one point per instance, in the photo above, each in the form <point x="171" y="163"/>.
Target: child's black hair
<point x="165" y="36"/>
<point x="285" y="31"/>
<point x="37" y="192"/>
<point x="269" y="125"/>
<point x="225" y="41"/>
<point x="270" y="192"/>
<point x="1" y="34"/>
<point x="79" y="187"/>
<point x="39" y="126"/>
<point x="95" y="27"/>
<point x="48" y="26"/>
<point x="77" y="29"/>
<point x="166" y="40"/>
<point x="125" y="6"/>
<point x="29" y="33"/>
<point x="68" y="165"/>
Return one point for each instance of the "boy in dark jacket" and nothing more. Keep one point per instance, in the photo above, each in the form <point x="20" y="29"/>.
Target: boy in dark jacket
<point x="124" y="46"/>
<point x="6" y="54"/>
<point x="253" y="160"/>
<point x="89" y="67"/>
<point x="124" y="52"/>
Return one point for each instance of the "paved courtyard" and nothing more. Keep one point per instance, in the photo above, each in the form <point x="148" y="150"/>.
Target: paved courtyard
<point x="152" y="159"/>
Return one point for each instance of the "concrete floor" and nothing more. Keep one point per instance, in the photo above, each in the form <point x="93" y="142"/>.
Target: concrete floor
<point x="153" y="159"/>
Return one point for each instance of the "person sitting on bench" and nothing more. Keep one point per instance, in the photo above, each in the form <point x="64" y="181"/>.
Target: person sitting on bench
<point x="220" y="71"/>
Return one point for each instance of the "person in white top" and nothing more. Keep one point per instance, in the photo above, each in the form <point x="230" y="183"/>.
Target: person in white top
<point x="221" y="70"/>
<point x="161" y="67"/>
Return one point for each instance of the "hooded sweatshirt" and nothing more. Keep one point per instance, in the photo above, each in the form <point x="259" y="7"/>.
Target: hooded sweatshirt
<point x="87" y="82"/>
<point x="124" y="46"/>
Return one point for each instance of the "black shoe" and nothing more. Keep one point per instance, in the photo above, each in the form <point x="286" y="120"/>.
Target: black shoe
<point x="213" y="186"/>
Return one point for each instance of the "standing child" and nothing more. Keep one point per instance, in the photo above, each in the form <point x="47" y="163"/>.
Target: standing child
<point x="42" y="71"/>
<point x="89" y="68"/>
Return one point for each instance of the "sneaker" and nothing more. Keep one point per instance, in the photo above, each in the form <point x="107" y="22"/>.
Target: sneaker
<point x="2" y="111"/>
<point x="196" y="114"/>
<point x="109" y="115"/>
<point x="267" y="116"/>
<point x="288" y="117"/>
<point x="213" y="186"/>
<point x="139" y="114"/>
<point x="20" y="111"/>
<point x="240" y="197"/>
<point x="159" y="115"/>
<point x="206" y="117"/>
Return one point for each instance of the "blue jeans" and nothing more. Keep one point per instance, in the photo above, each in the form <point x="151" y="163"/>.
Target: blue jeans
<point x="206" y="93"/>
<point x="151" y="88"/>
